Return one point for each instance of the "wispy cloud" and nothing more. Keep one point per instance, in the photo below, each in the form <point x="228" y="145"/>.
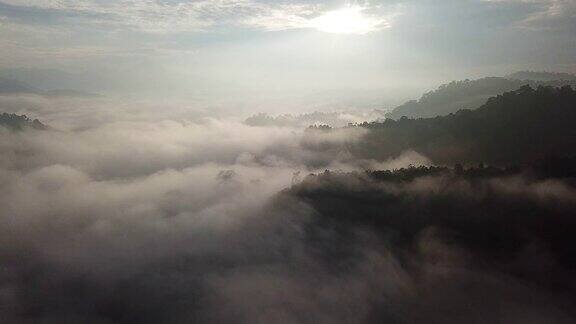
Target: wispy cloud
<point x="551" y="14"/>
<point x="161" y="16"/>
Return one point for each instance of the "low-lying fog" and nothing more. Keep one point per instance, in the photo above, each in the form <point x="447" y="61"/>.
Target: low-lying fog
<point x="139" y="212"/>
<point x="117" y="194"/>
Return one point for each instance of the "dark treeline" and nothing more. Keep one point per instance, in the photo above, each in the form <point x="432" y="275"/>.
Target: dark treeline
<point x="478" y="243"/>
<point x="263" y="119"/>
<point x="319" y="118"/>
<point x="514" y="128"/>
<point x="554" y="167"/>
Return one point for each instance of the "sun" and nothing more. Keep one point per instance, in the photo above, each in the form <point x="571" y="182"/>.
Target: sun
<point x="348" y="20"/>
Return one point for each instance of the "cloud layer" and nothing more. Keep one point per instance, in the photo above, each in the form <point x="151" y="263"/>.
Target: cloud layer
<point x="129" y="216"/>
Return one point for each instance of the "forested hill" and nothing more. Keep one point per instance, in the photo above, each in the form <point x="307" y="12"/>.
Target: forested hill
<point x="19" y="122"/>
<point x="516" y="127"/>
<point x="471" y="94"/>
<point x="461" y="230"/>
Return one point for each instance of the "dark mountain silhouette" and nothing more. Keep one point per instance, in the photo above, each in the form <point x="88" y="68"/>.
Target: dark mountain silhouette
<point x="469" y="94"/>
<point x="20" y="122"/>
<point x="454" y="231"/>
<point x="516" y="127"/>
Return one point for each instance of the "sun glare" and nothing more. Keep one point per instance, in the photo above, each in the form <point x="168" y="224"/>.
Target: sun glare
<point x="346" y="21"/>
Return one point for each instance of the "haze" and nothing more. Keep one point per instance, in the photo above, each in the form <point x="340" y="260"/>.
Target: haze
<point x="287" y="162"/>
<point x="277" y="51"/>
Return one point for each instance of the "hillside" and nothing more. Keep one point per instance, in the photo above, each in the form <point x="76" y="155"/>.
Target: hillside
<point x="20" y="122"/>
<point x="470" y="94"/>
<point x="516" y="127"/>
<point x="468" y="233"/>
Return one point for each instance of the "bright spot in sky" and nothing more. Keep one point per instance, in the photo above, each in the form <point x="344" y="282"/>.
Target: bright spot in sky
<point x="349" y="20"/>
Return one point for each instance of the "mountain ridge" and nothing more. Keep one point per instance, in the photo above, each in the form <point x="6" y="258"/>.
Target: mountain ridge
<point x="471" y="94"/>
<point x="517" y="127"/>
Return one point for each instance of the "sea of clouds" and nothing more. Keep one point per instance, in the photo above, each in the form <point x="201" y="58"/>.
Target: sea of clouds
<point x="126" y="212"/>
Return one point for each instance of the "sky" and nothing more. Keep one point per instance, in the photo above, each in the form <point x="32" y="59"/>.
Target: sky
<point x="281" y="49"/>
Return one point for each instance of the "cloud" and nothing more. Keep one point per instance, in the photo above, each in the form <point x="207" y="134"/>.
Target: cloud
<point x="554" y="15"/>
<point x="271" y="44"/>
<point x="160" y="16"/>
<point x="128" y="213"/>
<point x="125" y="219"/>
<point x="108" y="138"/>
<point x="171" y="16"/>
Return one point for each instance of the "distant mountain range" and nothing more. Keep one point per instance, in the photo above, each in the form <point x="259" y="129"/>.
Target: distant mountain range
<point x="471" y="94"/>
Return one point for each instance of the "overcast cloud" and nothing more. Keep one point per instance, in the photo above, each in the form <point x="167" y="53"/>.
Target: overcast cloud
<point x="233" y="47"/>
